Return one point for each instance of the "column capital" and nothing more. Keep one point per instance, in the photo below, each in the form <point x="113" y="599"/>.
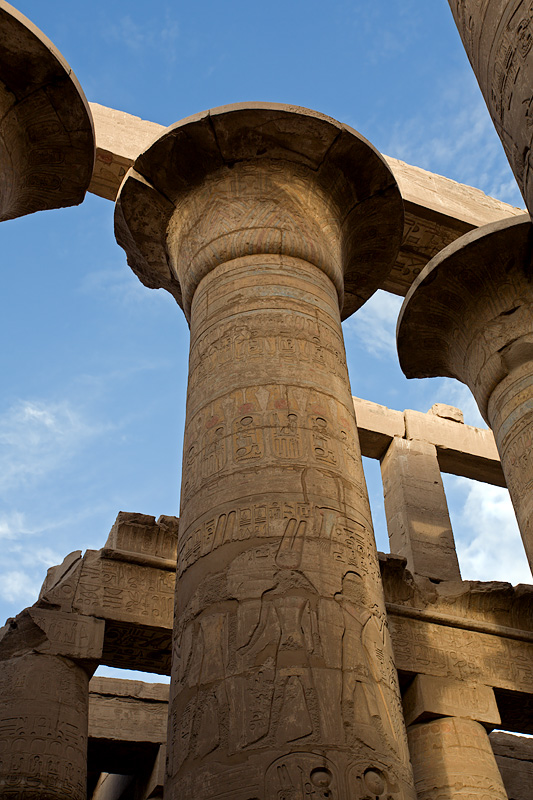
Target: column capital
<point x="260" y="179"/>
<point x="47" y="145"/>
<point x="468" y="314"/>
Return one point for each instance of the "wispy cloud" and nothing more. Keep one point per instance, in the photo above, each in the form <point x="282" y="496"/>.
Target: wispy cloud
<point x="488" y="542"/>
<point x="37" y="437"/>
<point x="455" y="137"/>
<point x="374" y="325"/>
<point x="144" y="35"/>
<point x="120" y="286"/>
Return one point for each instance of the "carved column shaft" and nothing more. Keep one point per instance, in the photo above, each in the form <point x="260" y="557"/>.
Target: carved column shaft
<point x="453" y="760"/>
<point x="46" y="659"/>
<point x="43" y="728"/>
<point x="283" y="682"/>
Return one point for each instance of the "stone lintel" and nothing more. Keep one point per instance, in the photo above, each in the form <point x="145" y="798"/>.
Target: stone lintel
<point x="121" y="710"/>
<point x="438" y="210"/>
<point x="514" y="756"/>
<point x="39" y="630"/>
<point x="140" y="535"/>
<point x="429" y="697"/>
<point x="461" y="449"/>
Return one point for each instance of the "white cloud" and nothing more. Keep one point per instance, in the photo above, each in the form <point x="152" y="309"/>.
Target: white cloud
<point x="144" y="35"/>
<point x="374" y="325"/>
<point x="37" y="438"/>
<point x="486" y="533"/>
<point x="17" y="585"/>
<point x="121" y="286"/>
<point x="456" y="138"/>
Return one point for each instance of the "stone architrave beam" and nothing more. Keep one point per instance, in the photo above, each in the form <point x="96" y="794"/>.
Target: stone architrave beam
<point x="47" y="145"/>
<point x="456" y="629"/>
<point x="461" y="449"/>
<point x="437" y="209"/>
<point x="269" y="224"/>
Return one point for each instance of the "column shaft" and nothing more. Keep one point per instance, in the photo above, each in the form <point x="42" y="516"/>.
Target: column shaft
<point x="453" y="760"/>
<point x="43" y="728"/>
<point x="416" y="509"/>
<point x="510" y="412"/>
<point x="283" y="679"/>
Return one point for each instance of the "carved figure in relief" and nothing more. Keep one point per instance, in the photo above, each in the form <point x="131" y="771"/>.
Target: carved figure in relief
<point x="369" y="714"/>
<point x="286" y="632"/>
<point x="214" y="451"/>
<point x="302" y="776"/>
<point x="322" y="445"/>
<point x="247" y="438"/>
<point x="285" y="435"/>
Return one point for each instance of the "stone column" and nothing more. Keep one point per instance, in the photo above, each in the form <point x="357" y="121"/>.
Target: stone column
<point x="416" y="509"/>
<point x="469" y="315"/>
<point x="46" y="660"/>
<point x="450" y="748"/>
<point x="264" y="222"/>
<point x="498" y="38"/>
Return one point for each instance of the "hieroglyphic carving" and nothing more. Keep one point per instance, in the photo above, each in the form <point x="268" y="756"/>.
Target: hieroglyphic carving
<point x="461" y="654"/>
<point x="274" y="508"/>
<point x="452" y="757"/>
<point x="43" y="727"/>
<point x="125" y="591"/>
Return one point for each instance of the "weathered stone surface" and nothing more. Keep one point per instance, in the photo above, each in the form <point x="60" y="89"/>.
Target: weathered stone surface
<point x="418" y="522"/>
<point x="498" y="37"/>
<point x="453" y="760"/>
<point x="43" y="727"/>
<point x="469" y="316"/>
<point x="46" y="132"/>
<point x="130" y="711"/>
<point x="270" y="217"/>
<point x="138" y="537"/>
<point x="514" y="756"/>
<point x="429" y="697"/>
<point x="438" y="210"/>
<point x="461" y="449"/>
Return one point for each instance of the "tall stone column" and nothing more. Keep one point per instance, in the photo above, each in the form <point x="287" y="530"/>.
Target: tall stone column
<point x="46" y="660"/>
<point x="264" y="222"/>
<point x="498" y="38"/>
<point x="469" y="315"/>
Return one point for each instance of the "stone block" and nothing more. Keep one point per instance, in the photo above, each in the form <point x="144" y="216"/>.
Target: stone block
<point x="429" y="697"/>
<point x="141" y="535"/>
<point x="514" y="757"/>
<point x="377" y="426"/>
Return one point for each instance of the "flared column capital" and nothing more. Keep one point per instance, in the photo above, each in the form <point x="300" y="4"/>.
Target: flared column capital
<point x="47" y="144"/>
<point x="264" y="179"/>
<point x="469" y="314"/>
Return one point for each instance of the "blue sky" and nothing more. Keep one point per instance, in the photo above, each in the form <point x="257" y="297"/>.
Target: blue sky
<point x="94" y="365"/>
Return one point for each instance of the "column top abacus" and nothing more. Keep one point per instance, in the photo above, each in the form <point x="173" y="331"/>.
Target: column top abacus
<point x="315" y="188"/>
